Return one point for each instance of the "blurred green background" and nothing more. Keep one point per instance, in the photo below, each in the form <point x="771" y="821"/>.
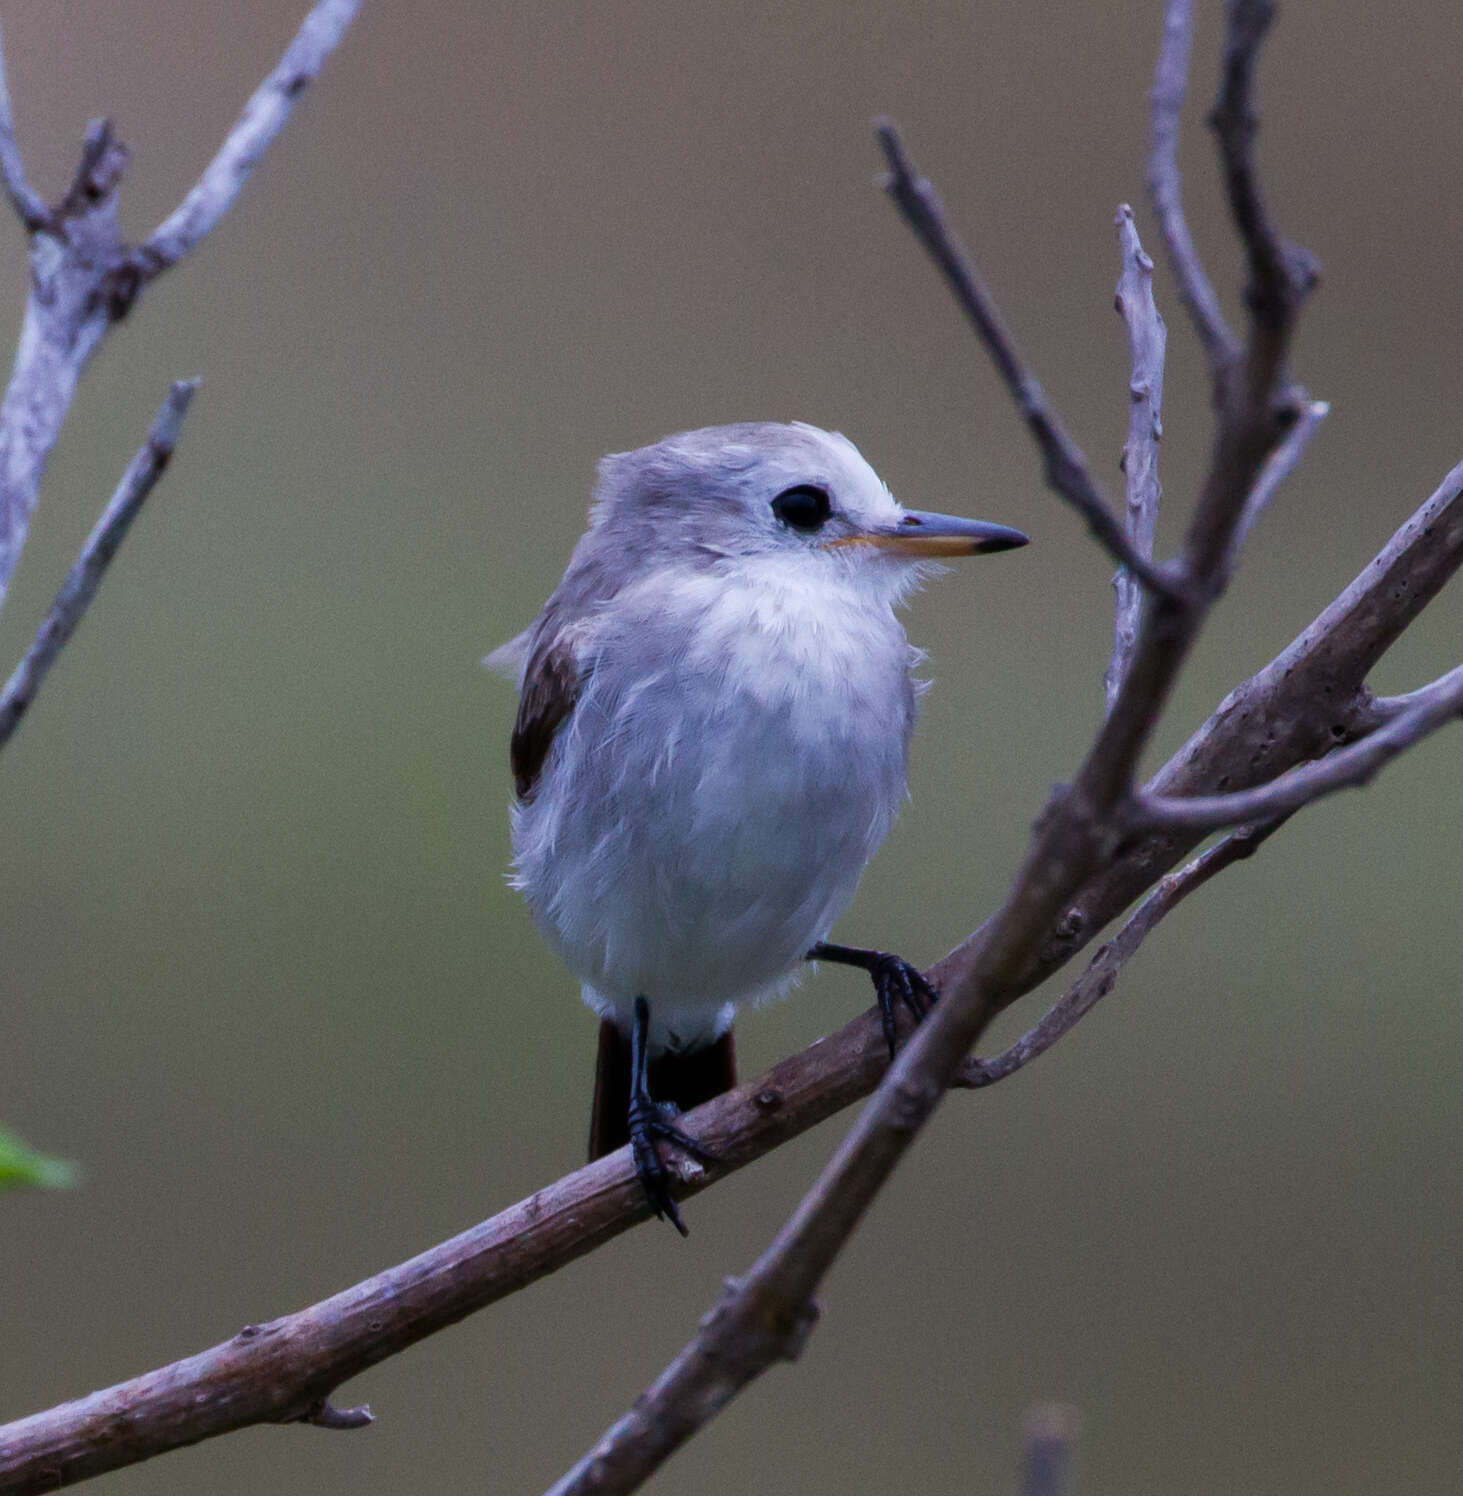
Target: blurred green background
<point x="263" y="977"/>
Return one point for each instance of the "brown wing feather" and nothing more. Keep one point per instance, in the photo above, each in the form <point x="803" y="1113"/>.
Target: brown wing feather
<point x="550" y="688"/>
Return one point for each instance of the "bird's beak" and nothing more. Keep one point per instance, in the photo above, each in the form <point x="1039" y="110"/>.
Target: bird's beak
<point x="934" y="535"/>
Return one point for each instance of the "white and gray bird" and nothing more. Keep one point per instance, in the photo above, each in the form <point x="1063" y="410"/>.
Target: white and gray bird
<point x="712" y="738"/>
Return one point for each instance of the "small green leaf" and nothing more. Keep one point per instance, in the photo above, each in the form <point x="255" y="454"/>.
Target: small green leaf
<point x="20" y="1165"/>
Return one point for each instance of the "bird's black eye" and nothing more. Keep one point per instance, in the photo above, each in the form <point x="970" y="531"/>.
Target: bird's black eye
<point x="803" y="508"/>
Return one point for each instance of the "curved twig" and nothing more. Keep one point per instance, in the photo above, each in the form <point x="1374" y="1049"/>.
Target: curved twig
<point x="1102" y="971"/>
<point x="263" y="117"/>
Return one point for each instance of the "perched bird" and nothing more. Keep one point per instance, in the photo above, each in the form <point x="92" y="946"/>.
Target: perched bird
<point x="711" y="742"/>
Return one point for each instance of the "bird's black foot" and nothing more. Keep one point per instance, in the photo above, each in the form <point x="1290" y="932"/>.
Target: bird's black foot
<point x="895" y="982"/>
<point x="650" y="1119"/>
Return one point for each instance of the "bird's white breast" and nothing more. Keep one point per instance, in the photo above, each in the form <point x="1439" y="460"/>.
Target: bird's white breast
<point x="736" y="755"/>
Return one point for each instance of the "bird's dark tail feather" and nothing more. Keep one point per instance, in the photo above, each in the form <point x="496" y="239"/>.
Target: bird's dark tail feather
<point x="685" y="1079"/>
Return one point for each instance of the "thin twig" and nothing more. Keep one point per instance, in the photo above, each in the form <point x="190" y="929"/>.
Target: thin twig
<point x="1280" y="274"/>
<point x="263" y="117"/>
<point x="1278" y="467"/>
<point x="1165" y="190"/>
<point x="96" y="555"/>
<point x="29" y="205"/>
<point x="1349" y="767"/>
<point x="1066" y="468"/>
<point x="1102" y="971"/>
<point x="1147" y="342"/>
<point x="1309" y="698"/>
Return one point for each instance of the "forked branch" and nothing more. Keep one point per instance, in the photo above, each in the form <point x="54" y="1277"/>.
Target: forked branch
<point x="1065" y="467"/>
<point x="85" y="277"/>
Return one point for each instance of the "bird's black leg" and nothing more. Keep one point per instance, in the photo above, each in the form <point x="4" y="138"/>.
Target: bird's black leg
<point x="895" y="981"/>
<point x="651" y="1119"/>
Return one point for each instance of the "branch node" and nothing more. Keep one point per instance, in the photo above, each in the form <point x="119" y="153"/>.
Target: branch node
<point x="322" y="1414"/>
<point x="103" y="160"/>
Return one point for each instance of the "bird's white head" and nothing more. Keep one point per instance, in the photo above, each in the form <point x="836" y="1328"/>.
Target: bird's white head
<point x="762" y="491"/>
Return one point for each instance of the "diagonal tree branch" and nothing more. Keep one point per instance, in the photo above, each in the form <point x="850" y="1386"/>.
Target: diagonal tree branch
<point x="1278" y="467"/>
<point x="85" y="577"/>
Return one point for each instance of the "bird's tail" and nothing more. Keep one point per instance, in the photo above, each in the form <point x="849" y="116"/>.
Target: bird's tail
<point x="685" y="1079"/>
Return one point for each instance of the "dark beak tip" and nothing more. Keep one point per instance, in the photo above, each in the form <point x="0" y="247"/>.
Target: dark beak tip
<point x="1008" y="540"/>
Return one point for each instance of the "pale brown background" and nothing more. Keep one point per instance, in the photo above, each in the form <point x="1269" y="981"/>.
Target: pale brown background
<point x="263" y="977"/>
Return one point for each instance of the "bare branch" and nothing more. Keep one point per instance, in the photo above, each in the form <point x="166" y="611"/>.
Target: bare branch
<point x="1278" y="467"/>
<point x="101" y="545"/>
<point x="1147" y="342"/>
<point x="282" y="1370"/>
<point x="1280" y="274"/>
<point x="263" y="118"/>
<point x="85" y="277"/>
<point x="1170" y="83"/>
<point x="1357" y="764"/>
<point x="1102" y="971"/>
<point x="29" y="205"/>
<point x="1066" y="468"/>
<point x="690" y="1392"/>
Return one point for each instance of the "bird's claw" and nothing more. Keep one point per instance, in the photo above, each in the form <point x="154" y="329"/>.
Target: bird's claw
<point x="896" y="981"/>
<point x="650" y="1120"/>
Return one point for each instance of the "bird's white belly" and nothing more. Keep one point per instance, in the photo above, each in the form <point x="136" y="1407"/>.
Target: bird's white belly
<point x="705" y="815"/>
